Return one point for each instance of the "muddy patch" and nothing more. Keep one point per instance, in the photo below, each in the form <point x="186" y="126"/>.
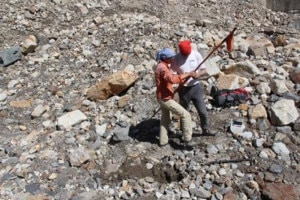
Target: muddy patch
<point x="158" y="173"/>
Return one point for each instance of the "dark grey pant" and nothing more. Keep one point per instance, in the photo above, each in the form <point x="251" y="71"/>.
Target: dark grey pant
<point x="195" y="94"/>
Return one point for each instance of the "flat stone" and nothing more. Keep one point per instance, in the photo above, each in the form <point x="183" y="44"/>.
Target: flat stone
<point x="9" y="56"/>
<point x="71" y="118"/>
<point x="32" y="188"/>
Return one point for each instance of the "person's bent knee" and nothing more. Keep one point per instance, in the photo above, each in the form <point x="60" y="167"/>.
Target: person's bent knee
<point x="186" y="114"/>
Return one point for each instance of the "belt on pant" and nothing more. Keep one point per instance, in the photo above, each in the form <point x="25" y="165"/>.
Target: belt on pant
<point x="190" y="86"/>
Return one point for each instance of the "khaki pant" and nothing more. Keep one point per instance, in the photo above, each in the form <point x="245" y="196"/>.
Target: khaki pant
<point x="185" y="118"/>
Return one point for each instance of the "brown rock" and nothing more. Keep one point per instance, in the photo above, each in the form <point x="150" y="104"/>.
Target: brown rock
<point x="229" y="81"/>
<point x="259" y="180"/>
<point x="30" y="44"/>
<point x="260" y="47"/>
<point x="3" y="113"/>
<point x="111" y="85"/>
<point x="295" y="76"/>
<point x="280" y="40"/>
<point x="37" y="197"/>
<point x="123" y="101"/>
<point x="20" y="104"/>
<point x="88" y="165"/>
<point x="243" y="107"/>
<point x="231" y="196"/>
<point x="258" y="111"/>
<point x="280" y="191"/>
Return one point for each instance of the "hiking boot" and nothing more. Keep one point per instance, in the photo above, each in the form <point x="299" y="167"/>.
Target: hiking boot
<point x="208" y="132"/>
<point x="190" y="143"/>
<point x="163" y="145"/>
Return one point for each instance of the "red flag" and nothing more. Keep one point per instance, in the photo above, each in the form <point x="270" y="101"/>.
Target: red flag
<point x="229" y="42"/>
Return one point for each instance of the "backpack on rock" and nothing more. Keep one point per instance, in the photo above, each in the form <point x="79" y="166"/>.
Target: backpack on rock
<point x="227" y="98"/>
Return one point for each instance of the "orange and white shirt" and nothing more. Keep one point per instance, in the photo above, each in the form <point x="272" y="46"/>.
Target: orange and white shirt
<point x="164" y="79"/>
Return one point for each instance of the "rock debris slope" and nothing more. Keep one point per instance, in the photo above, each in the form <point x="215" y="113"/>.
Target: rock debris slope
<point x="57" y="143"/>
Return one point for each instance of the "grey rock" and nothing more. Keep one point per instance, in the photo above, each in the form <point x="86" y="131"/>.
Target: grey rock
<point x="32" y="187"/>
<point x="284" y="129"/>
<point x="211" y="149"/>
<point x="280" y="148"/>
<point x="7" y="176"/>
<point x="201" y="193"/>
<point x="276" y="169"/>
<point x="121" y="133"/>
<point x="284" y="112"/>
<point x="79" y="156"/>
<point x="263" y="124"/>
<point x="9" y="56"/>
<point x="290" y="95"/>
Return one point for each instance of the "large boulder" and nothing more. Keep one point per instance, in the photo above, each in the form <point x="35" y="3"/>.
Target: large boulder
<point x="111" y="85"/>
<point x="284" y="112"/>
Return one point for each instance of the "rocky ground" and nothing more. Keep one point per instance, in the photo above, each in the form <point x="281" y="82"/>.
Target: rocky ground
<point x="57" y="143"/>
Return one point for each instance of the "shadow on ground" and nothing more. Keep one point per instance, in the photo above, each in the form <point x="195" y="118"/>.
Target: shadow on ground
<point x="148" y="131"/>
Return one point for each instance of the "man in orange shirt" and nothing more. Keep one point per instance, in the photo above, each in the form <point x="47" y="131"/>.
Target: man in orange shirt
<point x="164" y="79"/>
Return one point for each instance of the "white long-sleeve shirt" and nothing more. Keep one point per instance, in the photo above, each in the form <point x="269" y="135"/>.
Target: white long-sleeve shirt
<point x="182" y="64"/>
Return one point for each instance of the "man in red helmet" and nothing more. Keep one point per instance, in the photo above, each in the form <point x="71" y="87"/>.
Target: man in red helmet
<point x="185" y="61"/>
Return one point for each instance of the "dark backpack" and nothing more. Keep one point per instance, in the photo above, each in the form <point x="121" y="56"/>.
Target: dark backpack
<point x="227" y="98"/>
